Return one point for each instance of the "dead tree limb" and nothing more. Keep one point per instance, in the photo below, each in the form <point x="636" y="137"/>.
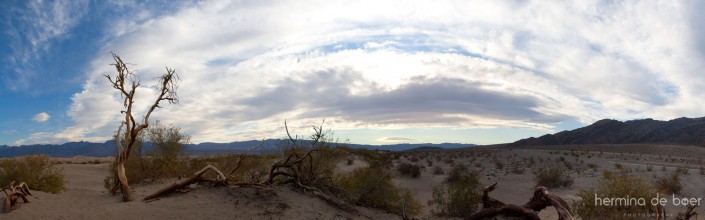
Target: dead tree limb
<point x="688" y="214"/>
<point x="541" y="199"/>
<point x="13" y="193"/>
<point x="197" y="177"/>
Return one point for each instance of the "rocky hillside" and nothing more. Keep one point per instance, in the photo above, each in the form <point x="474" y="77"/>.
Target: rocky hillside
<point x="685" y="131"/>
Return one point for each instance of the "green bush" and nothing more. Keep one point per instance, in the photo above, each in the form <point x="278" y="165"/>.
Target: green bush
<point x="409" y="170"/>
<point x="552" y="177"/>
<point x="616" y="185"/>
<point x="373" y="187"/>
<point x="458" y="196"/>
<point x="36" y="170"/>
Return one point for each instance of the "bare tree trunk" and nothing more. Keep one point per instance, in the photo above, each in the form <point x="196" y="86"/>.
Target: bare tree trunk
<point x="122" y="179"/>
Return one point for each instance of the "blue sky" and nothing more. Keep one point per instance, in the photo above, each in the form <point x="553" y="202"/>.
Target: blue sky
<point x="379" y="72"/>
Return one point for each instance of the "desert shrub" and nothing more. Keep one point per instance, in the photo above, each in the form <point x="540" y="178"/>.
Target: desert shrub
<point x="568" y="165"/>
<point x="429" y="162"/>
<point x="409" y="170"/>
<point x="459" y="172"/>
<point x="615" y="185"/>
<point x="702" y="170"/>
<point x="518" y="169"/>
<point x="649" y="168"/>
<point x="499" y="164"/>
<point x="449" y="161"/>
<point x="592" y="166"/>
<point x="373" y="187"/>
<point x="669" y="184"/>
<point x="618" y="166"/>
<point x="349" y="162"/>
<point x="458" y="196"/>
<point x="552" y="177"/>
<point x="414" y="159"/>
<point x="168" y="156"/>
<point x="683" y="170"/>
<point x="36" y="170"/>
<point x="438" y="170"/>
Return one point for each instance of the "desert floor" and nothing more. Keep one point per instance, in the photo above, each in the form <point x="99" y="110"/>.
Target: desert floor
<point x="86" y="198"/>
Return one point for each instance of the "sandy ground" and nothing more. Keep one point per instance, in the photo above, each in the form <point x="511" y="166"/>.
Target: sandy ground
<point x="85" y="198"/>
<point x="517" y="189"/>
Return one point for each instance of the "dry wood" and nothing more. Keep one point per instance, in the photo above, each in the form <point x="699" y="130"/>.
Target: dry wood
<point x="13" y="192"/>
<point x="293" y="169"/>
<point x="197" y="177"/>
<point x="492" y="208"/>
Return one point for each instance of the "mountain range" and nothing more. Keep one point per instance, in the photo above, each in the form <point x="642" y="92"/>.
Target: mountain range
<point x="107" y="148"/>
<point x="681" y="131"/>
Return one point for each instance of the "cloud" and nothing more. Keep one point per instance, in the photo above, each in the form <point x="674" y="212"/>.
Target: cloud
<point x="396" y="139"/>
<point x="247" y="66"/>
<point x="32" y="35"/>
<point x="41" y="117"/>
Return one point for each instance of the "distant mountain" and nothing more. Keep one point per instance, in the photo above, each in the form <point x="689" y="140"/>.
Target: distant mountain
<point x="683" y="131"/>
<point x="107" y="148"/>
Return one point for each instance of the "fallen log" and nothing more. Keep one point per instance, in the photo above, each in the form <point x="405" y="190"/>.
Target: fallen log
<point x="13" y="192"/>
<point x="197" y="177"/>
<point x="542" y="198"/>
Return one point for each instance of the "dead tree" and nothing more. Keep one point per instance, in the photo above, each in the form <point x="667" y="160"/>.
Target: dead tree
<point x="13" y="193"/>
<point x="166" y="91"/>
<point x="542" y="198"/>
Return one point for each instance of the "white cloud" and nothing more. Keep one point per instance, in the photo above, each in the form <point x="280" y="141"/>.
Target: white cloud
<point x="396" y="140"/>
<point x="41" y="117"/>
<point x="586" y="60"/>
<point x="32" y="34"/>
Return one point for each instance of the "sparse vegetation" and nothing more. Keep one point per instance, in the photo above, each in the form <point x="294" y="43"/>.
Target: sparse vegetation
<point x="437" y="170"/>
<point x="409" y="170"/>
<point x="614" y="185"/>
<point x="553" y="177"/>
<point x="669" y="184"/>
<point x="373" y="187"/>
<point x="36" y="170"/>
<point x="458" y="196"/>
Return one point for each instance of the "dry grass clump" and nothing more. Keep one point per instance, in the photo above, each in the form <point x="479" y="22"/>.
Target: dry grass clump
<point x="615" y="185"/>
<point x="36" y="170"/>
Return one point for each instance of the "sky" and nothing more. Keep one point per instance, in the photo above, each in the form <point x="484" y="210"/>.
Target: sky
<point x="377" y="72"/>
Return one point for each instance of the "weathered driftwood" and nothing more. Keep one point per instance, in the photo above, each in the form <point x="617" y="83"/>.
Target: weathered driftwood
<point x="492" y="208"/>
<point x="197" y="177"/>
<point x="13" y="193"/>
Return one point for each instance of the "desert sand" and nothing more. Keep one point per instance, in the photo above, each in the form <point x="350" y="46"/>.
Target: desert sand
<point x="86" y="198"/>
